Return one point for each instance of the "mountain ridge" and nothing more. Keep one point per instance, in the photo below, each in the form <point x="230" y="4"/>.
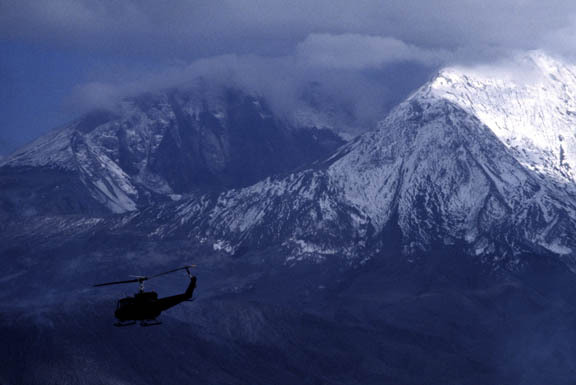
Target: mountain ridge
<point x="432" y="166"/>
<point x="435" y="169"/>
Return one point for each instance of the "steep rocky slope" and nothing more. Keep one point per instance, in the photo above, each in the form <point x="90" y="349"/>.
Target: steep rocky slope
<point x="157" y="147"/>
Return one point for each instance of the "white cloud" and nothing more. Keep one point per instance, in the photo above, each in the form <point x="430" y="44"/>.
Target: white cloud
<point x="361" y="86"/>
<point x="355" y="51"/>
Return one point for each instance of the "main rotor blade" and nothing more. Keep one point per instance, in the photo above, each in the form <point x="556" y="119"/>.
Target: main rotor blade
<point x="173" y="271"/>
<point x="119" y="282"/>
<point x="142" y="278"/>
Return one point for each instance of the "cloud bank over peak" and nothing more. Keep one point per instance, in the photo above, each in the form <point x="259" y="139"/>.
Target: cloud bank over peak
<point x="361" y="75"/>
<point x="355" y="51"/>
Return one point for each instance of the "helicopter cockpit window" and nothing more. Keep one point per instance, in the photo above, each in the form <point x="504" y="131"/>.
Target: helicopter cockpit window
<point x="123" y="301"/>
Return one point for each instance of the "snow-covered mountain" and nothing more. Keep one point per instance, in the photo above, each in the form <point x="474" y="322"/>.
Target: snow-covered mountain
<point x="158" y="147"/>
<point x="476" y="159"/>
<point x="473" y="160"/>
<point x="452" y="218"/>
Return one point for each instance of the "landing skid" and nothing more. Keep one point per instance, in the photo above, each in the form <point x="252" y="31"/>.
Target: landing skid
<point x="152" y="322"/>
<point x="122" y="324"/>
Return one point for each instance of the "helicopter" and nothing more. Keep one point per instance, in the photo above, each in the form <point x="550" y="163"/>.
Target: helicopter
<point x="145" y="306"/>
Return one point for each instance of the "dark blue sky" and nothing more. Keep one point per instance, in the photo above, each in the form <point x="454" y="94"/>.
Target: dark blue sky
<point x="35" y="81"/>
<point x="38" y="83"/>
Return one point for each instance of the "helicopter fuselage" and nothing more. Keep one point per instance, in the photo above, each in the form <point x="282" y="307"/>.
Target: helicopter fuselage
<point x="146" y="306"/>
<point x="142" y="306"/>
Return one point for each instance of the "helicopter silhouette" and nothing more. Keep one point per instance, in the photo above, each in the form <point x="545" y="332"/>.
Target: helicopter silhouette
<point x="145" y="306"/>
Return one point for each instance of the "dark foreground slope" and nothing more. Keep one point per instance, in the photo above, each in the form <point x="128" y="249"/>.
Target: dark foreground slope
<point x="392" y="323"/>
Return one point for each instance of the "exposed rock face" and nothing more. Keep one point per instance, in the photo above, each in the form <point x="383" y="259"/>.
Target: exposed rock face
<point x="157" y="147"/>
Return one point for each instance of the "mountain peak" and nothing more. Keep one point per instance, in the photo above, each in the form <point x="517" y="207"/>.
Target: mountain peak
<point x="474" y="154"/>
<point x="529" y="103"/>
